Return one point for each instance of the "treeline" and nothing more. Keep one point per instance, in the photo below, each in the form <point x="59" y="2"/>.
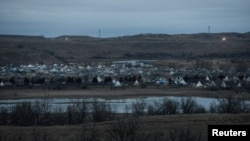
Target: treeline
<point x="41" y="113"/>
<point x="189" y="105"/>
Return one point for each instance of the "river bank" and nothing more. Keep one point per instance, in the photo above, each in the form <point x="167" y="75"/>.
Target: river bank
<point x="107" y="93"/>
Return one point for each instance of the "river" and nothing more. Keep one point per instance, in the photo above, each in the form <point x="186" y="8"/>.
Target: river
<point x="117" y="105"/>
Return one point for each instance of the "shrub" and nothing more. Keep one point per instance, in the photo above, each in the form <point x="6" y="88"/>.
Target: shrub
<point x="169" y="106"/>
<point x="4" y="115"/>
<point x="77" y="112"/>
<point x="232" y="105"/>
<point x="102" y="112"/>
<point x="189" y="105"/>
<point x="23" y="114"/>
<point x="139" y="108"/>
<point x="166" y="106"/>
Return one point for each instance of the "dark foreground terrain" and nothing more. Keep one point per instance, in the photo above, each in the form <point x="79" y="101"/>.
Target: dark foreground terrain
<point x="186" y="127"/>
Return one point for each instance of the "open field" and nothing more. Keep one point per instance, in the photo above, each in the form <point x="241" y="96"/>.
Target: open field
<point x="195" y="123"/>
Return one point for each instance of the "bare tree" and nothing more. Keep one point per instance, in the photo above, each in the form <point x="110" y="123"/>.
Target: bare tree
<point x="232" y="105"/>
<point x="59" y="117"/>
<point x="77" y="112"/>
<point x="124" y="130"/>
<point x="166" y="106"/>
<point x="102" y="111"/>
<point x="139" y="107"/>
<point x="23" y="114"/>
<point x="189" y="105"/>
<point x="169" y="106"/>
<point x="4" y="116"/>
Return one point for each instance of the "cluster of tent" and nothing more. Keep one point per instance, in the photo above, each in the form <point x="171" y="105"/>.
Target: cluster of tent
<point x="142" y="75"/>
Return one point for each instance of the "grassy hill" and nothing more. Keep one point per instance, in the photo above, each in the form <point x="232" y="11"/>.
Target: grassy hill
<point x="17" y="49"/>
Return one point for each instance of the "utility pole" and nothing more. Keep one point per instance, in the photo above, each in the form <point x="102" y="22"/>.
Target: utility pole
<point x="99" y="33"/>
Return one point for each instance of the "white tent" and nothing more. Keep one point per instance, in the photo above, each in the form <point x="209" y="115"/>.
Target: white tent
<point x="223" y="84"/>
<point x="99" y="66"/>
<point x="30" y="66"/>
<point x="226" y="78"/>
<point x="53" y="70"/>
<point x="136" y="83"/>
<point x="99" y="79"/>
<point x="207" y="78"/>
<point x="183" y="82"/>
<point x="89" y="67"/>
<point x="118" y="84"/>
<point x="114" y="81"/>
<point x="1" y="84"/>
<point x="239" y="85"/>
<point x="171" y="73"/>
<point x="199" y="84"/>
<point x="248" y="78"/>
<point x="157" y="82"/>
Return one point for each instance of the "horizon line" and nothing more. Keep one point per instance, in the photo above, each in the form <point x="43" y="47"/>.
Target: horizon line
<point x="125" y="35"/>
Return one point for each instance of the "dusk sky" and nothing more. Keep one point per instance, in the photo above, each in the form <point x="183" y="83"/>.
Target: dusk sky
<point x="52" y="18"/>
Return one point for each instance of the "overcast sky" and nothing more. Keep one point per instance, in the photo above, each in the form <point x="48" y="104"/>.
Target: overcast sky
<point x="52" y="18"/>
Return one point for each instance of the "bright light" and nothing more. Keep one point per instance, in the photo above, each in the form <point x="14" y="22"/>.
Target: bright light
<point x="224" y="39"/>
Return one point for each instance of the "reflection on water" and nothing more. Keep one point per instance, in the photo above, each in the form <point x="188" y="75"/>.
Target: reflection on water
<point x="117" y="105"/>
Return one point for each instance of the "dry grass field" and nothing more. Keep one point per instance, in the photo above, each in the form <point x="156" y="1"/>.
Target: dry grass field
<point x="82" y="49"/>
<point x="195" y="123"/>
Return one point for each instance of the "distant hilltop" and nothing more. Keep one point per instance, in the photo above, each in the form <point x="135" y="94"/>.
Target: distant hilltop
<point x="19" y="49"/>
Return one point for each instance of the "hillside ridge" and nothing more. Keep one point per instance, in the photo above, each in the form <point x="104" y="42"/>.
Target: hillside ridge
<point x="24" y="49"/>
